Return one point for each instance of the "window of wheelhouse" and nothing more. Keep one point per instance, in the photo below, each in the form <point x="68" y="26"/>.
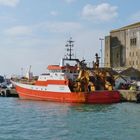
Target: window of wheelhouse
<point x="69" y="71"/>
<point x="72" y="71"/>
<point x="55" y="71"/>
<point x="63" y="71"/>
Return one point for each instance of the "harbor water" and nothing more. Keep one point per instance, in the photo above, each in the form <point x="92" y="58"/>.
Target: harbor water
<point x="39" y="120"/>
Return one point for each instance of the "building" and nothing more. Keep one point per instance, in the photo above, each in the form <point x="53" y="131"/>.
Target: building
<point x="122" y="47"/>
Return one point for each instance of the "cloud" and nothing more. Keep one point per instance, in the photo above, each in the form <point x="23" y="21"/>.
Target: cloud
<point x="102" y="12"/>
<point x="45" y="28"/>
<point x="7" y="18"/>
<point x="18" y="31"/>
<point x="11" y="3"/>
<point x="61" y="27"/>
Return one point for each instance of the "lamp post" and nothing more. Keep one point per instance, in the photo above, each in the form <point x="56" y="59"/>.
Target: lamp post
<point x="101" y="39"/>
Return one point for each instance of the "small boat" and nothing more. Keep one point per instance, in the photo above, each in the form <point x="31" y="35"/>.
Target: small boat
<point x="67" y="82"/>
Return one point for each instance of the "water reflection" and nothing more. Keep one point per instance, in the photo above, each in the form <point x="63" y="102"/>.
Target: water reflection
<point x="50" y="108"/>
<point x="64" y="108"/>
<point x="92" y="108"/>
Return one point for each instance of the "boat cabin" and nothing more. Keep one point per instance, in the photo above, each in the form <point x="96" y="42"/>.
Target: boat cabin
<point x="60" y="72"/>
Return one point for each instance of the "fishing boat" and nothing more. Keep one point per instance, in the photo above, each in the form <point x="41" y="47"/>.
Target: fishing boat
<point x="71" y="82"/>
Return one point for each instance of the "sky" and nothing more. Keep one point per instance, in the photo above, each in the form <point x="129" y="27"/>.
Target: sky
<point x="35" y="32"/>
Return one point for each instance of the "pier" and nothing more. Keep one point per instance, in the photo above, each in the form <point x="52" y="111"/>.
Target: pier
<point x="8" y="93"/>
<point x="130" y="96"/>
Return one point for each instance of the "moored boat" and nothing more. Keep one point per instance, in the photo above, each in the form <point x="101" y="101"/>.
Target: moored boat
<point x="70" y="83"/>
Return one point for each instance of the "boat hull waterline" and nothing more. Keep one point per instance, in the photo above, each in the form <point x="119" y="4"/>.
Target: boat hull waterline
<point x="94" y="97"/>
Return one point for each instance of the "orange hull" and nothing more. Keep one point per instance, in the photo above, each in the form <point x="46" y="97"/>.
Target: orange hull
<point x="96" y="97"/>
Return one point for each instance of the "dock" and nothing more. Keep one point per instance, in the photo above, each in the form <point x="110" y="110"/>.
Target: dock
<point x="130" y="96"/>
<point x="8" y="92"/>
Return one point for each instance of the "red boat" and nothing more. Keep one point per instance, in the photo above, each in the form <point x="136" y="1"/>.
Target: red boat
<point x="67" y="83"/>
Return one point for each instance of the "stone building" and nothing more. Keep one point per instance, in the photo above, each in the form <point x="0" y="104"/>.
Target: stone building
<point x="122" y="47"/>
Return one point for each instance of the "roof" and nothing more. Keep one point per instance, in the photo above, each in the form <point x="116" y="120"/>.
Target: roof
<point x="120" y="76"/>
<point x="134" y="25"/>
<point x="57" y="67"/>
<point x="54" y="67"/>
<point x="131" y="72"/>
<point x="109" y="70"/>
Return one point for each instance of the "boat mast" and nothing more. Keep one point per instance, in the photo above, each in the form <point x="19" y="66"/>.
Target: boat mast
<point x="69" y="47"/>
